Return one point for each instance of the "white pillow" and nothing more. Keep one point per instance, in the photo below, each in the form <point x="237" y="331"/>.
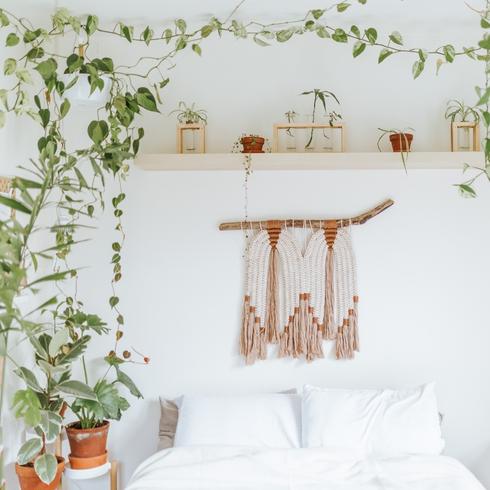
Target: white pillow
<point x="383" y="422"/>
<point x="271" y="420"/>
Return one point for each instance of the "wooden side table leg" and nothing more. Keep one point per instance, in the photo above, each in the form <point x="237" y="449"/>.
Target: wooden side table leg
<point x="114" y="466"/>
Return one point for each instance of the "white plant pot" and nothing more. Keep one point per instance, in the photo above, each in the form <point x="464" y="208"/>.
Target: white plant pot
<point x="80" y="92"/>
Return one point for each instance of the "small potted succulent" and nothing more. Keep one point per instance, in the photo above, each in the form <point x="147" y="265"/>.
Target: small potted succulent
<point x="401" y="141"/>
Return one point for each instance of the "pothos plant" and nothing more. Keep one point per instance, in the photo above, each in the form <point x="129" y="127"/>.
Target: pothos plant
<point x="74" y="180"/>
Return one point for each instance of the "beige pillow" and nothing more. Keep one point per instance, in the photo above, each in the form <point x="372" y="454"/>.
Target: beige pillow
<point x="169" y="416"/>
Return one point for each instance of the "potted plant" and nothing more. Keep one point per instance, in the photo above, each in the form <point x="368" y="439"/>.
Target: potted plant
<point x="252" y="143"/>
<point x="88" y="435"/>
<point x="322" y="96"/>
<point x="195" y="119"/>
<point x="457" y="111"/>
<point x="42" y="404"/>
<point x="189" y="114"/>
<point x="291" y="116"/>
<point x="401" y="141"/>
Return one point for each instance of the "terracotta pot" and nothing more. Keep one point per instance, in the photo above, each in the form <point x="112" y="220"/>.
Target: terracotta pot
<point x="87" y="443"/>
<point x="401" y="141"/>
<point x="30" y="481"/>
<point x="86" y="463"/>
<point x="252" y="144"/>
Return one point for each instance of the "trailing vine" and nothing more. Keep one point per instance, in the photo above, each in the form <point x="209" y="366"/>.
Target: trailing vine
<point x="74" y="181"/>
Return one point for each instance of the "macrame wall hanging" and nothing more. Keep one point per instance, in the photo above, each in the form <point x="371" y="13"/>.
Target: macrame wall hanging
<point x="296" y="296"/>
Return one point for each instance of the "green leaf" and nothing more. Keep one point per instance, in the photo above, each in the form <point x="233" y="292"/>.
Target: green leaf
<point x="358" y="49"/>
<point x="76" y="349"/>
<point x="47" y="68"/>
<point x="484" y="98"/>
<point x="4" y="20"/>
<point x="147" y="35"/>
<point x="128" y="383"/>
<point x="45" y="115"/>
<point x="466" y="190"/>
<point x="60" y="338"/>
<point x="98" y="131"/>
<point x="449" y="53"/>
<point x="485" y="43"/>
<point x="14" y="204"/>
<point x="30" y="36"/>
<point x="317" y="13"/>
<point x="113" y="301"/>
<point x="50" y="424"/>
<point x="340" y="36"/>
<point x="145" y="99"/>
<point x="29" y="378"/>
<point x="322" y="32"/>
<point x="484" y="23"/>
<point x="24" y="76"/>
<point x="418" y="68"/>
<point x="181" y="25"/>
<point x="77" y="389"/>
<point x="29" y="450"/>
<point x="64" y="108"/>
<point x="26" y="405"/>
<point x="396" y="37"/>
<point x="45" y="467"/>
<point x="362" y="2"/>
<point x="206" y="30"/>
<point x="12" y="40"/>
<point x="284" y="35"/>
<point x="2" y="119"/>
<point x="422" y="55"/>
<point x="355" y="30"/>
<point x="371" y="34"/>
<point x="384" y="54"/>
<point x="260" y="41"/>
<point x="92" y="24"/>
<point x="343" y="6"/>
<point x="197" y="49"/>
<point x="35" y="53"/>
<point x="56" y="276"/>
<point x="9" y="66"/>
<point x="127" y="32"/>
<point x="168" y="35"/>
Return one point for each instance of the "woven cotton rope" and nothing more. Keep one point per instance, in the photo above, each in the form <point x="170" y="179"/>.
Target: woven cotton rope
<point x="299" y="298"/>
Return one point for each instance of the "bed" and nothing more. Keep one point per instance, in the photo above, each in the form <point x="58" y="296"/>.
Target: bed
<point x="238" y="468"/>
<point x="323" y="439"/>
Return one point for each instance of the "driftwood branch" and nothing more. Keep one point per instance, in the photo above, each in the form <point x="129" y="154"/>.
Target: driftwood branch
<point x="314" y="223"/>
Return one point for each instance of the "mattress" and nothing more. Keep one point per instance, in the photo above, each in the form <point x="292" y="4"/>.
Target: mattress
<point x="238" y="468"/>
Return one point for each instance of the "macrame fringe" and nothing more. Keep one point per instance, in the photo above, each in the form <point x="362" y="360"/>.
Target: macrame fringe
<point x="272" y="298"/>
<point x="329" y="330"/>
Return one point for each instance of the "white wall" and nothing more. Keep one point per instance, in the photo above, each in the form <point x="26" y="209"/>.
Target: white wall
<point x="422" y="264"/>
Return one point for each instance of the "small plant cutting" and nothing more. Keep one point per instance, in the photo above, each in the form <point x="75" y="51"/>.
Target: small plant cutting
<point x="459" y="111"/>
<point x="322" y="96"/>
<point x="189" y="114"/>
<point x="401" y="141"/>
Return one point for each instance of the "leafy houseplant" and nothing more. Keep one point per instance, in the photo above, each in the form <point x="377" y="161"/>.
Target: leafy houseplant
<point x="401" y="141"/>
<point x="41" y="405"/>
<point x="189" y="114"/>
<point x="458" y="111"/>
<point x="322" y="96"/>
<point x="250" y="143"/>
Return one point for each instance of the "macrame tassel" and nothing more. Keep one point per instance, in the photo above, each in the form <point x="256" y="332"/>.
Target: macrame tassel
<point x="328" y="321"/>
<point x="244" y="333"/>
<point x="262" y="344"/>
<point x="317" y="339"/>
<point x="284" y="342"/>
<point x="252" y="337"/>
<point x="272" y="295"/>
<point x="296" y="334"/>
<point x="354" y="325"/>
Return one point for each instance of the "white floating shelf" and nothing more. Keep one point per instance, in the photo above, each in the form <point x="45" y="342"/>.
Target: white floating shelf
<point x="309" y="161"/>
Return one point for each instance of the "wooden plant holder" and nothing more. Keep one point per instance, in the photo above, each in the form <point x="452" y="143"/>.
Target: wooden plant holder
<point x="199" y="128"/>
<point x="474" y="127"/>
<point x="285" y="126"/>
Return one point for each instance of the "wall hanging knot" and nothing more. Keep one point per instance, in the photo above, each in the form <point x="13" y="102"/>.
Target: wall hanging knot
<point x="298" y="297"/>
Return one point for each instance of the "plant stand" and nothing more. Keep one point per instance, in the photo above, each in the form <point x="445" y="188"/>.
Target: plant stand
<point x="194" y="129"/>
<point x="312" y="126"/>
<point x="110" y="468"/>
<point x="471" y="127"/>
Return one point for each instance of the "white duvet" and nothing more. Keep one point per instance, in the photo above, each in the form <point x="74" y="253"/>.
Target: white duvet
<point x="231" y="468"/>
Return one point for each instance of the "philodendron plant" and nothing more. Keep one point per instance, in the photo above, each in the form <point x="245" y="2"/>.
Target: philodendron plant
<point x="48" y="389"/>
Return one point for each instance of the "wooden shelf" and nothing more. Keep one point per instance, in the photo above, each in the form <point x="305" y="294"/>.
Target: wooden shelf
<point x="308" y="161"/>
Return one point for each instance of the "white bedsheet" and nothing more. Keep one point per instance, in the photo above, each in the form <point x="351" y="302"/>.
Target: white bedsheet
<point x="231" y="468"/>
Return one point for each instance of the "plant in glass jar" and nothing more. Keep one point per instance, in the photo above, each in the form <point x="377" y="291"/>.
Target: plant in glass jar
<point x="291" y="117"/>
<point x="189" y="115"/>
<point x="321" y="96"/>
<point x="458" y="111"/>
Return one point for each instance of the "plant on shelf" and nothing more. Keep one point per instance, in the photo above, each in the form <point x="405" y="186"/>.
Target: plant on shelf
<point x="400" y="139"/>
<point x="189" y="114"/>
<point x="250" y="143"/>
<point x="322" y="96"/>
<point x="458" y="111"/>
